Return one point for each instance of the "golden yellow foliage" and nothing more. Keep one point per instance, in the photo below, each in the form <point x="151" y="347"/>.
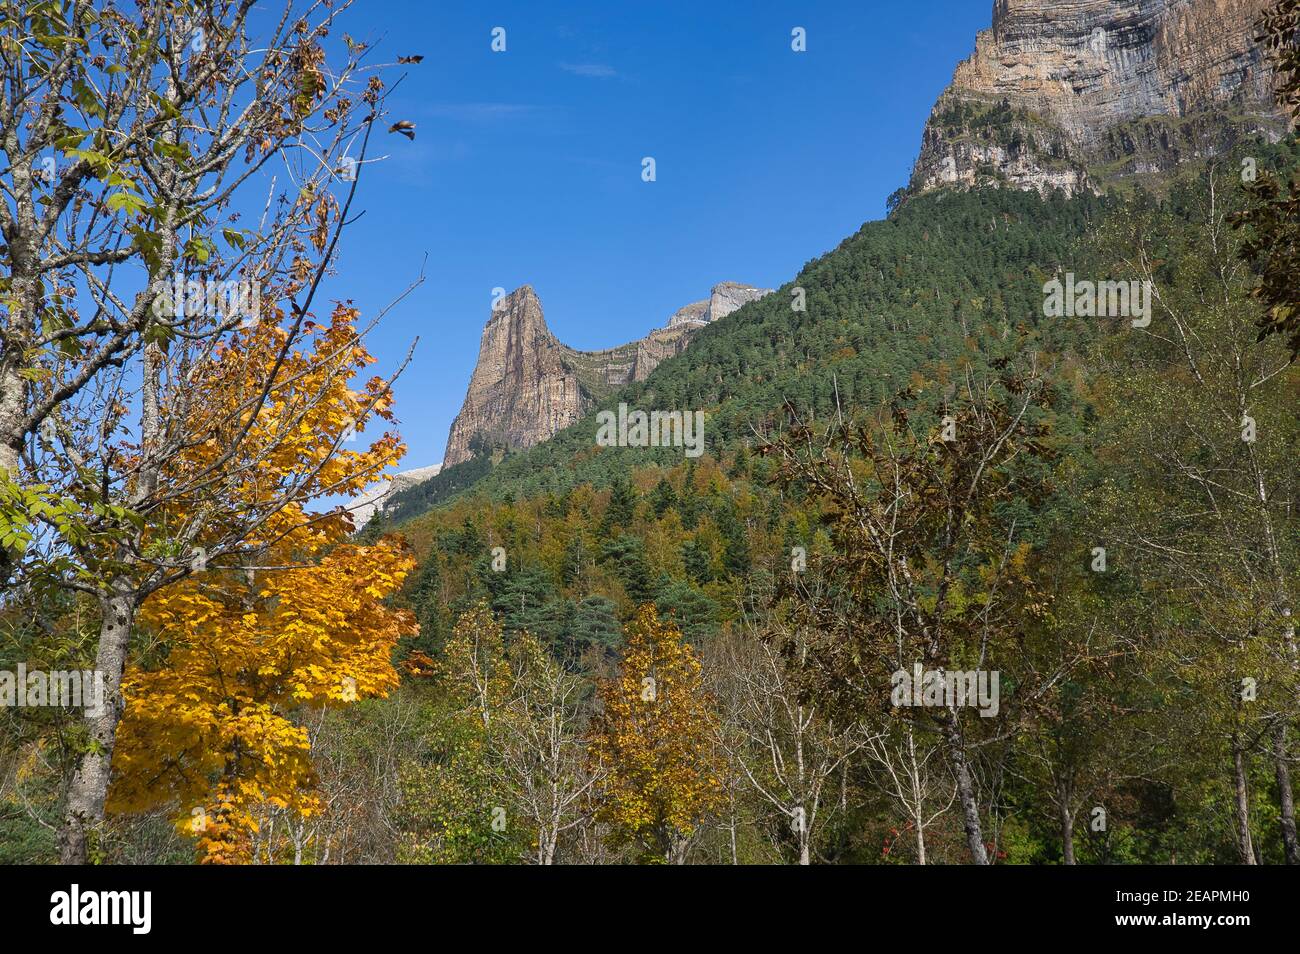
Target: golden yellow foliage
<point x="656" y="740"/>
<point x="293" y="618"/>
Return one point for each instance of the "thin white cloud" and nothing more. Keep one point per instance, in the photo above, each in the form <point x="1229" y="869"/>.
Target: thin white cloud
<point x="480" y="112"/>
<point x="594" y="70"/>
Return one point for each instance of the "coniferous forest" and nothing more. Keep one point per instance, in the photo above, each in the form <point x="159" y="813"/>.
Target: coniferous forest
<point x="957" y="580"/>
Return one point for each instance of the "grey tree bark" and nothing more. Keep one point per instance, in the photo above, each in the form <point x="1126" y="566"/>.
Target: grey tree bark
<point x="1067" y="833"/>
<point x="1241" y="788"/>
<point x="970" y="810"/>
<point x="1285" y="798"/>
<point x="84" y="813"/>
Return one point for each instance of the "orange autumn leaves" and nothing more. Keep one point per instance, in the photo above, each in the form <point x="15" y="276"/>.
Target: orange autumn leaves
<point x="294" y="618"/>
<point x="272" y="423"/>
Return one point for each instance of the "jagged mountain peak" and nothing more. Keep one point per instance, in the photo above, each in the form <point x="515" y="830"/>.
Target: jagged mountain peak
<point x="524" y="297"/>
<point x="527" y="385"/>
<point x="521" y="309"/>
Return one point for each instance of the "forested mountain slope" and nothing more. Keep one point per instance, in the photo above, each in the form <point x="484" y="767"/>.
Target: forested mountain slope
<point x="568" y="540"/>
<point x="900" y="292"/>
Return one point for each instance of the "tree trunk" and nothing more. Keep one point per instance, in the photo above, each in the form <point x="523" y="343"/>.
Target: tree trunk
<point x="731" y="827"/>
<point x="1067" y="833"/>
<point x="1286" y="801"/>
<point x="970" y="809"/>
<point x="11" y="401"/>
<point x="676" y="853"/>
<point x="1282" y="767"/>
<point x="25" y="308"/>
<point x="11" y="418"/>
<point x="84" y="813"/>
<point x="1244" y="846"/>
<point x="920" y="843"/>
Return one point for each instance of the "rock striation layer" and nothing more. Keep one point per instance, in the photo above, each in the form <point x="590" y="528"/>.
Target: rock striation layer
<point x="1072" y="94"/>
<point x="527" y="385"/>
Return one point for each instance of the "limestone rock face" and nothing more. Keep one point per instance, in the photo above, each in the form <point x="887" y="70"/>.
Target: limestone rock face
<point x="527" y="385"/>
<point x="672" y="339"/>
<point x="726" y="297"/>
<point x="523" y="384"/>
<point x="1072" y="93"/>
<point x="377" y="496"/>
<point x="696" y="313"/>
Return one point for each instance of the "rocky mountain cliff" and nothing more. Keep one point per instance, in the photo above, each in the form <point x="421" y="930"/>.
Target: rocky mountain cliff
<point x="378" y="495"/>
<point x="527" y="385"/>
<point x="1076" y="93"/>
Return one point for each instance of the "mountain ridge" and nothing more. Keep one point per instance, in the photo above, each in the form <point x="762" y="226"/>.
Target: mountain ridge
<point x="527" y="385"/>
<point x="1044" y="103"/>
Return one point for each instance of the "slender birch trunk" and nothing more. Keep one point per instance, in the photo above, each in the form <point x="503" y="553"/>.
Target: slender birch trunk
<point x="970" y="809"/>
<point x="1285" y="798"/>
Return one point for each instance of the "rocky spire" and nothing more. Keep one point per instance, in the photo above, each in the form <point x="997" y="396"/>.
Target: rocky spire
<point x="527" y="385"/>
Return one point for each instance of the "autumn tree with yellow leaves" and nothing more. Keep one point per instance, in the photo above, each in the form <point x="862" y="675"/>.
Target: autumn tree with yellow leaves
<point x="213" y="730"/>
<point x="180" y="174"/>
<point x="655" y="743"/>
<point x="274" y="617"/>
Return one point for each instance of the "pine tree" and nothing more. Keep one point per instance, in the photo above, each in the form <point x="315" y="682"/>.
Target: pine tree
<point x="663" y="497"/>
<point x="425" y="601"/>
<point x="621" y="510"/>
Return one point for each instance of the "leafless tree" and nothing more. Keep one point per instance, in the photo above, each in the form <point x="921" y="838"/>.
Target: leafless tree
<point x="906" y="772"/>
<point x="788" y="750"/>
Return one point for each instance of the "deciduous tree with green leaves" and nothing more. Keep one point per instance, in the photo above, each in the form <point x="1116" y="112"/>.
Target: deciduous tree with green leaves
<point x="178" y="172"/>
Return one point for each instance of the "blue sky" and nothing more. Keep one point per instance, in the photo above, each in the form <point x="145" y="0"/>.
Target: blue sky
<point x="526" y="167"/>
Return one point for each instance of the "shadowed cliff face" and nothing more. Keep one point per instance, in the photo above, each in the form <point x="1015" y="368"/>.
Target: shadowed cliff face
<point x="527" y="385"/>
<point x="1072" y="93"/>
